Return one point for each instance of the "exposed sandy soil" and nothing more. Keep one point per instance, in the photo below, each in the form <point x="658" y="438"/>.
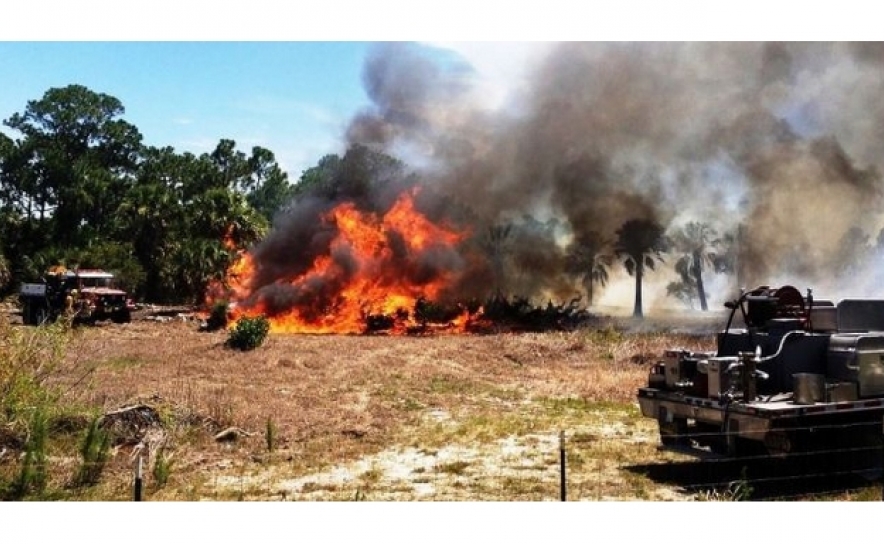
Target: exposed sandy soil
<point x="459" y="417"/>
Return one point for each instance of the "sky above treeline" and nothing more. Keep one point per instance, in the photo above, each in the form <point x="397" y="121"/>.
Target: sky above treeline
<point x="294" y="98"/>
<point x="290" y="79"/>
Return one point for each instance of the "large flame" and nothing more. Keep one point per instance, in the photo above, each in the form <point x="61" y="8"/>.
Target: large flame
<point x="373" y="287"/>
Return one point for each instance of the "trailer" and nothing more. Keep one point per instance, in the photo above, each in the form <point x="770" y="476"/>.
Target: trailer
<point x="799" y="375"/>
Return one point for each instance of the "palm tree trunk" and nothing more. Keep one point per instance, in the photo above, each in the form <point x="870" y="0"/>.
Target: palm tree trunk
<point x="701" y="292"/>
<point x="637" y="311"/>
<point x="497" y="262"/>
<point x="698" y="277"/>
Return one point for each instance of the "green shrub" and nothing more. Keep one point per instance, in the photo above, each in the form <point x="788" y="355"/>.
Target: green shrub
<point x="249" y="333"/>
<point x="94" y="454"/>
<point x="162" y="468"/>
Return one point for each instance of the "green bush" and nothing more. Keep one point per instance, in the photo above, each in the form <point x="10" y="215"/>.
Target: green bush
<point x="249" y="333"/>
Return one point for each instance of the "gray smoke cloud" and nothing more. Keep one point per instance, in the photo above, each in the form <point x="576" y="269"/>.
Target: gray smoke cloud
<point x="783" y="140"/>
<point x="779" y="144"/>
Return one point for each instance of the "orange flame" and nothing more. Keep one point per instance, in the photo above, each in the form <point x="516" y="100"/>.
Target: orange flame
<point x="374" y="286"/>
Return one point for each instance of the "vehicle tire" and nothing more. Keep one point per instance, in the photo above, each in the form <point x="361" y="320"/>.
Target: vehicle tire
<point x="26" y="313"/>
<point x="123" y="316"/>
<point x="39" y="316"/>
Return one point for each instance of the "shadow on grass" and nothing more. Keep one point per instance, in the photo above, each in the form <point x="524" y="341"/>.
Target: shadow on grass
<point x="799" y="476"/>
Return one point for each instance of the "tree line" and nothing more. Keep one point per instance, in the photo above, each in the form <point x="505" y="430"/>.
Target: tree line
<point x="696" y="249"/>
<point x="79" y="187"/>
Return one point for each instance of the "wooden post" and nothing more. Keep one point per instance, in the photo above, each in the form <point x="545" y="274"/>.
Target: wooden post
<point x="563" y="486"/>
<point x="138" y="480"/>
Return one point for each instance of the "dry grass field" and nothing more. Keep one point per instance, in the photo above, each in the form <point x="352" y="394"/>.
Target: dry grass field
<point x="316" y="418"/>
<point x="369" y="417"/>
<point x="320" y="418"/>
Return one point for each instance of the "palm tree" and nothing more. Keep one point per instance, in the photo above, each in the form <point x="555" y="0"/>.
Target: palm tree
<point x="495" y="243"/>
<point x="639" y="243"/>
<point x="587" y="259"/>
<point x="697" y="242"/>
<point x="683" y="290"/>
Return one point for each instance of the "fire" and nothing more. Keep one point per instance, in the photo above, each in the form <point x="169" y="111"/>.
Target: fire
<point x="376" y="266"/>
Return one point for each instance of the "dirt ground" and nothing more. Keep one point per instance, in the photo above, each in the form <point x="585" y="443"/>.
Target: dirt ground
<point x="376" y="417"/>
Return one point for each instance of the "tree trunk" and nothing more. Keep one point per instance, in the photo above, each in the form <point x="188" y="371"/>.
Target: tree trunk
<point x="698" y="277"/>
<point x="637" y="311"/>
<point x="497" y="265"/>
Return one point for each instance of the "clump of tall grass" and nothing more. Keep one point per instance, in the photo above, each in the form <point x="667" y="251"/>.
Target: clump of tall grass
<point x="32" y="475"/>
<point x="270" y="435"/>
<point x="162" y="468"/>
<point x="94" y="454"/>
<point x="30" y="357"/>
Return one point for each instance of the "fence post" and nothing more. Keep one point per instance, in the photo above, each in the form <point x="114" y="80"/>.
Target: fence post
<point x="138" y="480"/>
<point x="563" y="486"/>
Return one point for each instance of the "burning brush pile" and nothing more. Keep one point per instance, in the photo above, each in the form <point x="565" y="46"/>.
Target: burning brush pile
<point x="570" y="184"/>
<point x="376" y="264"/>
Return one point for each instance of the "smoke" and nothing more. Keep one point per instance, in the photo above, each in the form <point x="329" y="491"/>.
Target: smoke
<point x="783" y="140"/>
<point x="778" y="145"/>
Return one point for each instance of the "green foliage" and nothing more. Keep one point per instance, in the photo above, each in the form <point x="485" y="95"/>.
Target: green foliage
<point x="114" y="257"/>
<point x="78" y="185"/>
<point x="249" y="333"/>
<point x="162" y="468"/>
<point x="699" y="246"/>
<point x="640" y="243"/>
<point x="587" y="258"/>
<point x="4" y="271"/>
<point x="360" y="171"/>
<point x="73" y="159"/>
<point x="269" y="187"/>
<point x="29" y="358"/>
<point x="32" y="476"/>
<point x="94" y="453"/>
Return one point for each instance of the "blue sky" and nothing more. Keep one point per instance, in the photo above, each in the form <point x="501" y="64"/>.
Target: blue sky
<point x="288" y="78"/>
<point x="292" y="97"/>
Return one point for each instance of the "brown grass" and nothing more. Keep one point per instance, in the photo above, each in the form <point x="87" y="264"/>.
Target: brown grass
<point x="481" y="413"/>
